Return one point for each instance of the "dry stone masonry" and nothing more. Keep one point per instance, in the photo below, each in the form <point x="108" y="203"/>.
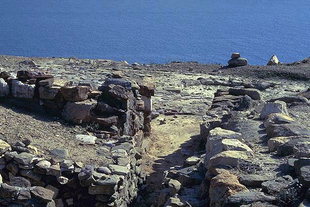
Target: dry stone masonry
<point x="120" y="110"/>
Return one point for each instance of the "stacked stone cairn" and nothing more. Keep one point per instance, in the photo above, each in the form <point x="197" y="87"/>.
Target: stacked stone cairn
<point x="120" y="108"/>
<point x="236" y="60"/>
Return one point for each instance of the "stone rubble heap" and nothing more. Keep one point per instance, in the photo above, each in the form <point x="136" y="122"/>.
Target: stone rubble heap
<point x="122" y="111"/>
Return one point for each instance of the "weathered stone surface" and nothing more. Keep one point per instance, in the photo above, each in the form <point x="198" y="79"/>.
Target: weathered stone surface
<point x="78" y="112"/>
<point x="24" y="158"/>
<point x="42" y="194"/>
<point x="105" y="187"/>
<point x="251" y="92"/>
<point x="20" y="90"/>
<point x="119" y="170"/>
<point x="4" y="88"/>
<point x="278" y="118"/>
<point x="222" y="186"/>
<point x="19" y="182"/>
<point x="273" y="107"/>
<point x="275" y="142"/>
<point x="273" y="60"/>
<point x="298" y="146"/>
<point x="242" y="198"/>
<point x="48" y="93"/>
<point x="292" y="99"/>
<point x="273" y="187"/>
<point x="236" y="62"/>
<point x="286" y="130"/>
<point x="4" y="146"/>
<point x="75" y="93"/>
<point x="229" y="158"/>
<point x="60" y="153"/>
<point x="253" y="180"/>
<point x="86" y="139"/>
<point x="108" y="121"/>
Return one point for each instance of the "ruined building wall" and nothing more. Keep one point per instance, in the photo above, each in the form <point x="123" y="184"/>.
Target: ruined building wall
<point x="119" y="109"/>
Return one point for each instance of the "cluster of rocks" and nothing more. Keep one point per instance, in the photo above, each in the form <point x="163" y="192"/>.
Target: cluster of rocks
<point x="121" y="109"/>
<point x="240" y="169"/>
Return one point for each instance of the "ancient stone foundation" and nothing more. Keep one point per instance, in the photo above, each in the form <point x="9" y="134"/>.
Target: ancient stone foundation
<point x="120" y="110"/>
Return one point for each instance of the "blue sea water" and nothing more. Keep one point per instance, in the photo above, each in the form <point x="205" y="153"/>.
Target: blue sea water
<point x="157" y="31"/>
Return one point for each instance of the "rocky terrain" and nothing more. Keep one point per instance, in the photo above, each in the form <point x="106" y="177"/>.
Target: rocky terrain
<point x="221" y="136"/>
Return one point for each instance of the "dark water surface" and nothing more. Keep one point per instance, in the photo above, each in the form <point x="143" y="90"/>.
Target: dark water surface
<point x="157" y="31"/>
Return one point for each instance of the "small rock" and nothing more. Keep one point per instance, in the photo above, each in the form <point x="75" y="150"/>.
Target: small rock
<point x="273" y="60"/>
<point x="192" y="160"/>
<point x="174" y="186"/>
<point x="86" y="139"/>
<point x="60" y="153"/>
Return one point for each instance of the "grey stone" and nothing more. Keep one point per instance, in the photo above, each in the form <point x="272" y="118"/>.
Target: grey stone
<point x="242" y="198"/>
<point x="24" y="158"/>
<point x="253" y="180"/>
<point x="60" y="153"/>
<point x="119" y="170"/>
<point x="236" y="62"/>
<point x="251" y="92"/>
<point x="273" y="107"/>
<point x="104" y="170"/>
<point x="20" y="90"/>
<point x="42" y="194"/>
<point x="20" y="182"/>
<point x="273" y="187"/>
<point x="78" y="112"/>
<point x="86" y="139"/>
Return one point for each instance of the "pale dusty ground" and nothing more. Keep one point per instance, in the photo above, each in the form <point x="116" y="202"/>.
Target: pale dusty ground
<point x="172" y="143"/>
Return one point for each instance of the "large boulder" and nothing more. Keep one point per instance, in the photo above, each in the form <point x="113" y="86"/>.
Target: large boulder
<point x="273" y="107"/>
<point x="222" y="186"/>
<point x="78" y="112"/>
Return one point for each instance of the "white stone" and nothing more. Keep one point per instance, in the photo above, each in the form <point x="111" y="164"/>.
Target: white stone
<point x="4" y="88"/>
<point x="273" y="60"/>
<point x="20" y="90"/>
<point x="86" y="139"/>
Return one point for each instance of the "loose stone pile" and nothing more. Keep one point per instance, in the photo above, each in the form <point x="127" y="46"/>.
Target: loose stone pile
<point x="122" y="111"/>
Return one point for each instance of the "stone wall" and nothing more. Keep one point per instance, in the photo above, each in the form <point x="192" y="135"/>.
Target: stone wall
<point x="120" y="110"/>
<point x="256" y="153"/>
